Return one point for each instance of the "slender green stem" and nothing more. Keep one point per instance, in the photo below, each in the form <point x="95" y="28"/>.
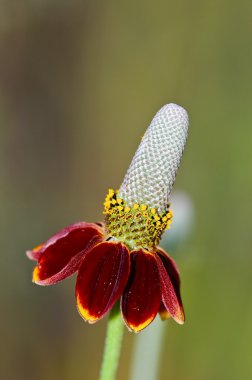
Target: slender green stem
<point x="112" y="347"/>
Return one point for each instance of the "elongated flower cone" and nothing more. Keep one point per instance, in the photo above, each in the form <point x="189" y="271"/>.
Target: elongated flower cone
<point x="150" y="177"/>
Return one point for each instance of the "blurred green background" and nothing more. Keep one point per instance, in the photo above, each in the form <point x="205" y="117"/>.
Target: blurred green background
<point x="79" y="83"/>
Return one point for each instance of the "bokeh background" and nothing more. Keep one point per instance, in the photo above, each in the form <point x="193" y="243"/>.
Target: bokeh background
<point x="79" y="83"/>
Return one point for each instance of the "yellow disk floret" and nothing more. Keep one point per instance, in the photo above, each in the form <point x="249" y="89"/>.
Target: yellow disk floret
<point x="136" y="226"/>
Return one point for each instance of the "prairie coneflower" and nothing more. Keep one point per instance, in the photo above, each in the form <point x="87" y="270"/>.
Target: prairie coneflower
<point x="120" y="258"/>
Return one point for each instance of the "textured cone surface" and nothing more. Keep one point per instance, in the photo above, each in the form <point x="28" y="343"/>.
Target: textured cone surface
<point x="150" y="177"/>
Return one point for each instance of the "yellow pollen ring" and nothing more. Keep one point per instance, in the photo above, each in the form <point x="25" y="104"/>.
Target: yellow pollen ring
<point x="136" y="226"/>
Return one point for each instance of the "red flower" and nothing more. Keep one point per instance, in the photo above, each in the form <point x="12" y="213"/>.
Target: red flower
<point x="121" y="258"/>
<point x="147" y="280"/>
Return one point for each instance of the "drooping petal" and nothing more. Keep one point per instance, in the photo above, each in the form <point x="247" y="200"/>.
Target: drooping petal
<point x="142" y="297"/>
<point x="170" y="281"/>
<point x="60" y="256"/>
<point x="170" y="266"/>
<point x="101" y="279"/>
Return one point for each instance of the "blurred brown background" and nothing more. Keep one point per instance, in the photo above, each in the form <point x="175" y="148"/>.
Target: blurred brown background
<point x="79" y="83"/>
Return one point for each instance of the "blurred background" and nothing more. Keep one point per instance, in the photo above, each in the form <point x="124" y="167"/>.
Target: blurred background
<point x="79" y="83"/>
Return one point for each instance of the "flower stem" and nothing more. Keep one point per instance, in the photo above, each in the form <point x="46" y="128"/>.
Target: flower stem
<point x="112" y="347"/>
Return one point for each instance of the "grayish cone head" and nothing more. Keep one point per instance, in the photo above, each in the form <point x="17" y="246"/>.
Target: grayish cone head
<point x="150" y="177"/>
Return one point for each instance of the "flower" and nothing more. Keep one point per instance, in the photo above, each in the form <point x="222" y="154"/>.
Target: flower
<point x="120" y="258"/>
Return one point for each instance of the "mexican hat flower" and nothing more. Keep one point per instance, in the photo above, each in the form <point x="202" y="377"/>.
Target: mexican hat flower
<point x="120" y="258"/>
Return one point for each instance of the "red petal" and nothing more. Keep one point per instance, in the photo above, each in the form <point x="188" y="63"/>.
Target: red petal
<point x="170" y="266"/>
<point x="170" y="280"/>
<point x="61" y="255"/>
<point x="101" y="280"/>
<point x="142" y="296"/>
